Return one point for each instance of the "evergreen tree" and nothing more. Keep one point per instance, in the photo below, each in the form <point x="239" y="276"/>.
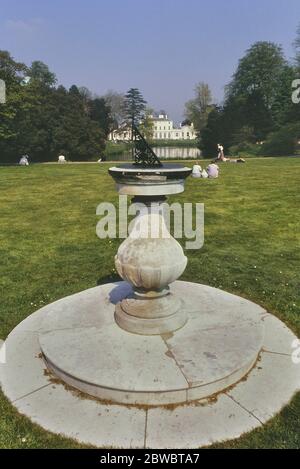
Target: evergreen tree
<point x="134" y="106"/>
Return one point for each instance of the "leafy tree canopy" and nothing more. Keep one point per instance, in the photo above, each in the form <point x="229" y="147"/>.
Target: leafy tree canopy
<point x="44" y="120"/>
<point x="198" y="108"/>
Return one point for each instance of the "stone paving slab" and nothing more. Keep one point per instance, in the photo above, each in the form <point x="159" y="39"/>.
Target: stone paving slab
<point x="269" y="387"/>
<point x="278" y="337"/>
<point x="85" y="420"/>
<point x="198" y="424"/>
<point x="24" y="371"/>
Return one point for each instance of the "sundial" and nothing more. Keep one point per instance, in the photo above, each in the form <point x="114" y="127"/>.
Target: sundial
<point x="144" y="155"/>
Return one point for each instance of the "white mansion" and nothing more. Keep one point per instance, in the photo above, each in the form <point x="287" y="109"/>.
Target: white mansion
<point x="163" y="129"/>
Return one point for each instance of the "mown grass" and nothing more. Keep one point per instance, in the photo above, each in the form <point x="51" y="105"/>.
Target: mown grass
<point x="49" y="249"/>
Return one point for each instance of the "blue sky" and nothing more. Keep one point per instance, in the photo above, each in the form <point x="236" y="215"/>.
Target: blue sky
<point x="163" y="47"/>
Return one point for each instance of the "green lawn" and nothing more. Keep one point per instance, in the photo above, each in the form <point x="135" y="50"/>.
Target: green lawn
<point x="49" y="249"/>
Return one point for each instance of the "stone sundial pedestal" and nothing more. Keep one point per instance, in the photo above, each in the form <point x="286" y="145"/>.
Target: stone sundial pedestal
<point x="151" y="339"/>
<point x="150" y="258"/>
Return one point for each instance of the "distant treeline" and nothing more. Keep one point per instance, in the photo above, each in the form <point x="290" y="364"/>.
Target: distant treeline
<point x="44" y="120"/>
<point x="259" y="115"/>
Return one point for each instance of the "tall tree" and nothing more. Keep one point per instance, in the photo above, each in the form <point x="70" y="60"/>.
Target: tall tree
<point x="74" y="132"/>
<point x="12" y="73"/>
<point x="198" y="108"/>
<point x="258" y="73"/>
<point x="100" y="112"/>
<point x="257" y="87"/>
<point x="116" y="103"/>
<point x="87" y="98"/>
<point x="134" y="106"/>
<point x="213" y="133"/>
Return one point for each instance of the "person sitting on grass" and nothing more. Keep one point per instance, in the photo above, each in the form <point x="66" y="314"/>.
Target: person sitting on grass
<point x="62" y="159"/>
<point x="212" y="171"/>
<point x="24" y="160"/>
<point x="196" y="172"/>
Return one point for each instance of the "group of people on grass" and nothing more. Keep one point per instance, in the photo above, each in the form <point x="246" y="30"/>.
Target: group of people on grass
<point x="212" y="170"/>
<point x="61" y="159"/>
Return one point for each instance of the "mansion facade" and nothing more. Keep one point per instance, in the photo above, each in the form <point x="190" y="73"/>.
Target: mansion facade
<point x="163" y="129"/>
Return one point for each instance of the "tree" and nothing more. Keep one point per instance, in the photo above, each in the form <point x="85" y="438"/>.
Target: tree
<point x="87" y="97"/>
<point x="74" y="133"/>
<point x="134" y="106"/>
<point x="10" y="70"/>
<point x="258" y="89"/>
<point x="12" y="73"/>
<point x="283" y="106"/>
<point x="100" y="112"/>
<point x="213" y="133"/>
<point x="186" y="122"/>
<point x="258" y="95"/>
<point x="40" y="72"/>
<point x="198" y="108"/>
<point x="116" y="103"/>
<point x="146" y="126"/>
<point x="258" y="70"/>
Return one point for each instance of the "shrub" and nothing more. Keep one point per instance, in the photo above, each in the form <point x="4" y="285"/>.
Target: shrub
<point x="244" y="149"/>
<point x="282" y="142"/>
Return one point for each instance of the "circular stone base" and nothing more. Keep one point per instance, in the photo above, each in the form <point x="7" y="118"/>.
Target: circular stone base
<point x="269" y="385"/>
<point x="215" y="349"/>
